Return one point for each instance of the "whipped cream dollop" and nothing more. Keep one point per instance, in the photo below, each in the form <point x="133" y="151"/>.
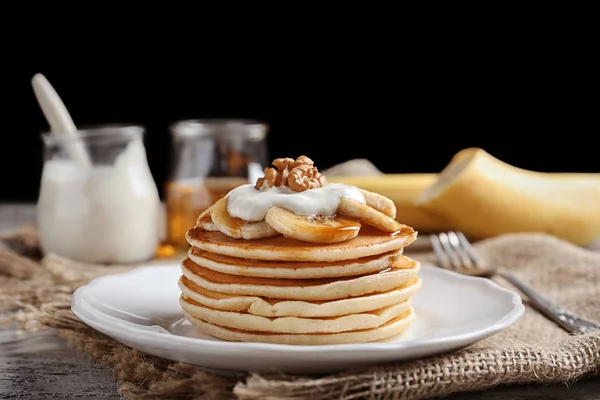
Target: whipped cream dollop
<point x="249" y="204"/>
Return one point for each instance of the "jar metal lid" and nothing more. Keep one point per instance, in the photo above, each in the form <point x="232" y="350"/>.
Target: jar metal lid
<point x="247" y="128"/>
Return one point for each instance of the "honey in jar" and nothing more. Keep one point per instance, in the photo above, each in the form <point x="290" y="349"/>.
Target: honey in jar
<point x="209" y="158"/>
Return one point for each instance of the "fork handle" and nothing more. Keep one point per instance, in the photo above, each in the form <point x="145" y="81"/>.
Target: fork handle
<point x="568" y="320"/>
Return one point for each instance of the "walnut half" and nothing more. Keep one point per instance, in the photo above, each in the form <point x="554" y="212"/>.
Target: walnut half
<point x="299" y="175"/>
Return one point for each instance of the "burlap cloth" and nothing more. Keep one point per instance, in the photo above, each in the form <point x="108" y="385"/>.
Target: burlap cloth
<point x="37" y="293"/>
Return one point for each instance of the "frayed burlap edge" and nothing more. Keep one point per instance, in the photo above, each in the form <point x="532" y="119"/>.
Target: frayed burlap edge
<point x="439" y="376"/>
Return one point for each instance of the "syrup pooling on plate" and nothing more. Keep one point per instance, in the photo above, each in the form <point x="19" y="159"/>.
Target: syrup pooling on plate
<point x="295" y="200"/>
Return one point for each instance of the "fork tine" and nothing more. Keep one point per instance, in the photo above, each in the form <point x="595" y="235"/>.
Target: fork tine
<point x="450" y="252"/>
<point x="468" y="248"/>
<point x="460" y="250"/>
<point x="440" y="254"/>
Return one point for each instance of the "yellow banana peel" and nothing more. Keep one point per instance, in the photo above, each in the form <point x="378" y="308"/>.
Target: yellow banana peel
<point x="403" y="190"/>
<point x="485" y="197"/>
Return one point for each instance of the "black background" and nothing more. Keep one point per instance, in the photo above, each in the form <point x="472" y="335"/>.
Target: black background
<point x="533" y="106"/>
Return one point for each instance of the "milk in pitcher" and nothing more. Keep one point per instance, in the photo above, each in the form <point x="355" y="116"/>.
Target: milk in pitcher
<point x="107" y="213"/>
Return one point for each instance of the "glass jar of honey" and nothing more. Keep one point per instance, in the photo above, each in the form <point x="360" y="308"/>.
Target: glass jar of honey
<point x="209" y="157"/>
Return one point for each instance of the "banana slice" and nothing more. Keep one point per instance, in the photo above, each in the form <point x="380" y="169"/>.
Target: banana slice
<point x="380" y="203"/>
<point x="237" y="228"/>
<point x="368" y="215"/>
<point x="204" y="221"/>
<point x="311" y="229"/>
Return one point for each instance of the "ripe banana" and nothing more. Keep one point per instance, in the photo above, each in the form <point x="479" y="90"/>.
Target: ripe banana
<point x="236" y="227"/>
<point x="403" y="190"/>
<point x="368" y="215"/>
<point x="311" y="229"/>
<point x="484" y="197"/>
<point x="380" y="203"/>
<point x="204" y="221"/>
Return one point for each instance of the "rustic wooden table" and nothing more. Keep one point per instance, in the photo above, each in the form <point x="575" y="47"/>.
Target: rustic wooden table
<point x="41" y="366"/>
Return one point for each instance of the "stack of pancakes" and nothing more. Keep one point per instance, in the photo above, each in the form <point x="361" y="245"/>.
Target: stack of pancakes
<point x="282" y="290"/>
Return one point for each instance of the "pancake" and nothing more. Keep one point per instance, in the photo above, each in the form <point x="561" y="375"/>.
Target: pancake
<point x="249" y="322"/>
<point x="291" y="269"/>
<point x="385" y="331"/>
<point x="369" y="242"/>
<point x="296" y="308"/>
<point x="404" y="270"/>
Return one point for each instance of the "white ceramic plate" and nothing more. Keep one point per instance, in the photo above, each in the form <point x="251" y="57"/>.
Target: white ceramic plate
<point x="140" y="308"/>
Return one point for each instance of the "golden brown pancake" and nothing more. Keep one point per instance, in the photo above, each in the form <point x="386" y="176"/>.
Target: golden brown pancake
<point x="404" y="270"/>
<point x="294" y="279"/>
<point x="292" y="269"/>
<point x="296" y="308"/>
<point x="385" y="331"/>
<point x="369" y="242"/>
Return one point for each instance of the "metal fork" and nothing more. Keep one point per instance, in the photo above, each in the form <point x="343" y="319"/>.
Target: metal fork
<point x="454" y="252"/>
